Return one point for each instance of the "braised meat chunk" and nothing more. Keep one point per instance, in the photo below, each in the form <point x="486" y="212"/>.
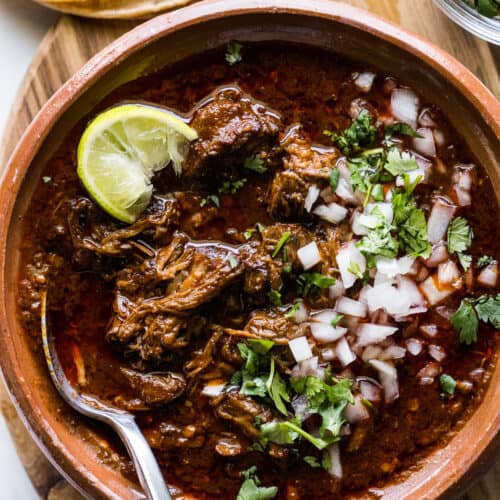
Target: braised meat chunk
<point x="231" y="127"/>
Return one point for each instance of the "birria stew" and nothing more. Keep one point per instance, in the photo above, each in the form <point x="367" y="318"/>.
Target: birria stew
<point x="305" y="306"/>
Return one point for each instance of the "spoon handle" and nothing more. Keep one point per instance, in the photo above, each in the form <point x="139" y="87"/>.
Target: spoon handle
<point x="146" y="466"/>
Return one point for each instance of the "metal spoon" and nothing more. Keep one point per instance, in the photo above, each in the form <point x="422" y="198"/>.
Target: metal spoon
<point x="122" y="422"/>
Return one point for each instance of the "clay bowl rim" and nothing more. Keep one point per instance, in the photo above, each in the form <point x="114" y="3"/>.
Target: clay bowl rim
<point x="454" y="72"/>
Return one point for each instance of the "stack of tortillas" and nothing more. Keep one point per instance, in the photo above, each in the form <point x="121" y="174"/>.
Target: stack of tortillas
<point x="115" y="9"/>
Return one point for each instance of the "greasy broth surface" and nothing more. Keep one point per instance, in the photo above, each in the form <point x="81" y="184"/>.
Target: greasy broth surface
<point x="304" y="86"/>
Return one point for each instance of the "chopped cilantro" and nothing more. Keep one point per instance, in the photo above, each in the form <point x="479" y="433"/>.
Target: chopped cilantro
<point x="275" y="297"/>
<point x="488" y="309"/>
<point x="248" y="233"/>
<point x="233" y="261"/>
<point x="400" y="128"/>
<point x="459" y="235"/>
<point x="256" y="164"/>
<point x="233" y="52"/>
<point x="361" y="133"/>
<point x="293" y="310"/>
<point x="465" y="260"/>
<point x="232" y="187"/>
<point x="288" y="432"/>
<point x="258" y="375"/>
<point x="336" y="320"/>
<point x="410" y="224"/>
<point x="334" y="179"/>
<point x="398" y="162"/>
<point x="310" y="283"/>
<point x="312" y="461"/>
<point x="354" y="268"/>
<point x="378" y="241"/>
<point x="447" y="384"/>
<point x="277" y="389"/>
<point x="211" y="198"/>
<point x="484" y="261"/>
<point x="378" y="192"/>
<point x="281" y="243"/>
<point x="251" y="488"/>
<point x="46" y="179"/>
<point x="466" y="318"/>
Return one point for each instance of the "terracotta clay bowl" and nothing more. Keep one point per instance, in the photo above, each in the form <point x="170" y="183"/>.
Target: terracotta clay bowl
<point x="72" y="442"/>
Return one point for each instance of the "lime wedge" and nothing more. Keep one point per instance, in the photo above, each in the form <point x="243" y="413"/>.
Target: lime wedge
<point x="120" y="151"/>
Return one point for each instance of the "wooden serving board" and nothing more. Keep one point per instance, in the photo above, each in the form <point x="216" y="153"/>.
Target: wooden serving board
<point x="72" y="41"/>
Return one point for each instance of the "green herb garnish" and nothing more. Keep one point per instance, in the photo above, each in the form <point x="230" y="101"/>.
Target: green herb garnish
<point x="256" y="164"/>
<point x="447" y="384"/>
<point x="251" y="488"/>
<point x="281" y="243"/>
<point x="233" y="52"/>
<point x="310" y="283"/>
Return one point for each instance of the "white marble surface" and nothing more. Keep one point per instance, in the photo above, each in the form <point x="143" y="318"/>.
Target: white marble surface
<point x="22" y="26"/>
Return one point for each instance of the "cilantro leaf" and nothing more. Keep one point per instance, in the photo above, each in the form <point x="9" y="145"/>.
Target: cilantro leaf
<point x="465" y="260"/>
<point x="232" y="187"/>
<point x="312" y="461"/>
<point x="488" y="8"/>
<point x="274" y="297"/>
<point x="488" y="309"/>
<point x="288" y="432"/>
<point x="251" y="488"/>
<point x="447" y="384"/>
<point x="256" y="164"/>
<point x="233" y="52"/>
<point x="332" y="419"/>
<point x="410" y="225"/>
<point x="361" y="133"/>
<point x="211" y="198"/>
<point x="336" y="320"/>
<point x="277" y="389"/>
<point x="459" y="235"/>
<point x="400" y="128"/>
<point x="261" y="346"/>
<point x="379" y="240"/>
<point x="398" y="162"/>
<point x="484" y="261"/>
<point x="281" y="243"/>
<point x="334" y="179"/>
<point x="293" y="310"/>
<point x="310" y="283"/>
<point x="465" y="322"/>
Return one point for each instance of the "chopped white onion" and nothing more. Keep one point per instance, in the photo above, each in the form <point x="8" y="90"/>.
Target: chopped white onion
<point x="345" y="305"/>
<point x="328" y="354"/>
<point x="344" y="353"/>
<point x="393" y="352"/>
<point x="344" y="191"/>
<point x="335" y="468"/>
<point x="325" y="334"/>
<point x="436" y="352"/>
<point x="324" y="316"/>
<point x="419" y="174"/>
<point x="448" y="273"/>
<point x="364" y="81"/>
<point x="392" y="267"/>
<point x="384" y="207"/>
<point x="371" y="352"/>
<point x="429" y="331"/>
<point x="433" y="292"/>
<point x="356" y="412"/>
<point x="441" y="214"/>
<point x="389" y="379"/>
<point x="300" y="405"/>
<point x="439" y="254"/>
<point x="489" y="275"/>
<point x="356" y="224"/>
<point x="300" y="348"/>
<point x="425" y="144"/>
<point x="347" y="257"/>
<point x="430" y="370"/>
<point x="404" y="104"/>
<point x="370" y="333"/>
<point x="308" y="368"/>
<point x="309" y="255"/>
<point x="425" y="119"/>
<point x="464" y="198"/>
<point x="337" y="289"/>
<point x="301" y="314"/>
<point x="332" y="213"/>
<point x="311" y="197"/>
<point x="414" y="346"/>
<point x="213" y="390"/>
<point x="370" y="389"/>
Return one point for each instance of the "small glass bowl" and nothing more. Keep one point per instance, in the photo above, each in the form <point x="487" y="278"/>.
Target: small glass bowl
<point x="468" y="18"/>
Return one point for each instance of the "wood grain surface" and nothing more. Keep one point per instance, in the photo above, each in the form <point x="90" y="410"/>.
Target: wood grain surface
<point x="72" y="41"/>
